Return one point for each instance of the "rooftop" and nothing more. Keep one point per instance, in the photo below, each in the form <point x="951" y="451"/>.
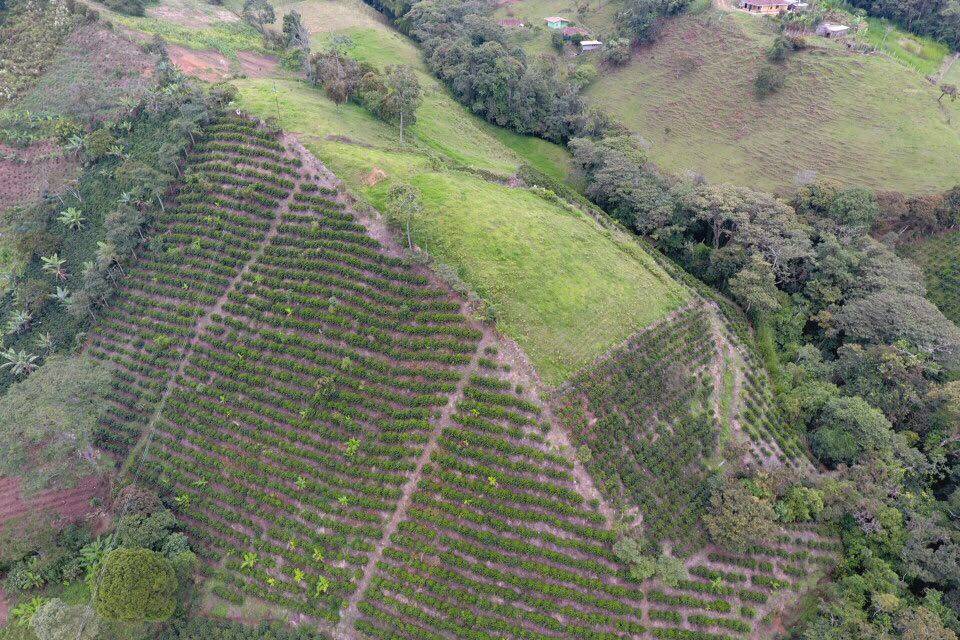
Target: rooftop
<point x="572" y="31"/>
<point x="556" y="19"/>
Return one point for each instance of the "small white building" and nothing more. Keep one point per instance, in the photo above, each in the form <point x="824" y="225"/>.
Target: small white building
<point x="832" y="30"/>
<point x="590" y="45"/>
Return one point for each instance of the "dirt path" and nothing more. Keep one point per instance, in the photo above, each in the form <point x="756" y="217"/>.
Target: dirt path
<point x="143" y="443"/>
<point x="348" y="616"/>
<point x="946" y="65"/>
<point x="4" y="607"/>
<point x="559" y="438"/>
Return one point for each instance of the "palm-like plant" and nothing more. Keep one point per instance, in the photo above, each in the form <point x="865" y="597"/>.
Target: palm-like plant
<point x="24" y="612"/>
<point x="106" y="254"/>
<point x="74" y="144"/>
<point x="18" y="322"/>
<point x="61" y="295"/>
<point x="249" y="560"/>
<point x="44" y="342"/>
<point x="19" y="362"/>
<point x="72" y="218"/>
<point x="55" y="266"/>
<point x="323" y="585"/>
<point x="93" y="554"/>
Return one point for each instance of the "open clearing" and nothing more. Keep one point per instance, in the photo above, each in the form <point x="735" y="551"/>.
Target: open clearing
<point x="213" y="66"/>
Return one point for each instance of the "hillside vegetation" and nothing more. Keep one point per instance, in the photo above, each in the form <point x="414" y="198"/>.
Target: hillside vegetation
<point x="939" y="258"/>
<point x="857" y="119"/>
<point x="321" y="413"/>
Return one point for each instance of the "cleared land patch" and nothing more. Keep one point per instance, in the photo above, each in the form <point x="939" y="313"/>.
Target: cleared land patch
<point x="94" y="75"/>
<point x="27" y="173"/>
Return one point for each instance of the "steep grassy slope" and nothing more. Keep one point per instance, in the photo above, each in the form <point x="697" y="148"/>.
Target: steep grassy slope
<point x="564" y="288"/>
<point x="849" y="117"/>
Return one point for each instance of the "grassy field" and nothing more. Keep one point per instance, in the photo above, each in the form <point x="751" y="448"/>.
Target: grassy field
<point x="923" y="54"/>
<point x="848" y="117"/>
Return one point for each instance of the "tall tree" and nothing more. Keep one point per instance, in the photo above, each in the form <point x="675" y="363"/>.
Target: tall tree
<point x="402" y="96"/>
<point x="258" y="13"/>
<point x="295" y="34"/>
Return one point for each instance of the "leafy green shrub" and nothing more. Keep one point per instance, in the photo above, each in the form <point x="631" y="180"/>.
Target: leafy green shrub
<point x="770" y="79"/>
<point x="126" y="7"/>
<point x="135" y="585"/>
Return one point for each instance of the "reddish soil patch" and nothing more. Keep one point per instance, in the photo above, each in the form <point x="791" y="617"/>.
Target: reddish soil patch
<point x="213" y="66"/>
<point x="256" y="65"/>
<point x="25" y="174"/>
<point x="374" y="177"/>
<point x="4" y="607"/>
<point x="68" y="504"/>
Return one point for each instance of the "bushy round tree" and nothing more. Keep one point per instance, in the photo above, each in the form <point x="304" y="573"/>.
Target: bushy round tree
<point x="135" y="585"/>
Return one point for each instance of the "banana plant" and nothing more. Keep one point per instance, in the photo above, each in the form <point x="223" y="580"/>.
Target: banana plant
<point x="353" y="445"/>
<point x="18" y="322"/>
<point x="55" y="266"/>
<point x="19" y="362"/>
<point x="72" y="218"/>
<point x="323" y="585"/>
<point x="24" y="612"/>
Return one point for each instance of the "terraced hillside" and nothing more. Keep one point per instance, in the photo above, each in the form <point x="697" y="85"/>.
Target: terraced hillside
<point x="280" y="371"/>
<point x="344" y="443"/>
<point x="656" y="414"/>
<point x="939" y="259"/>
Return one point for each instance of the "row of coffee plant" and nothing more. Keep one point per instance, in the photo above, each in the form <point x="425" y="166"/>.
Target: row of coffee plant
<point x="643" y="422"/>
<point x="499" y="542"/>
<point x="197" y="247"/>
<point x="308" y="366"/>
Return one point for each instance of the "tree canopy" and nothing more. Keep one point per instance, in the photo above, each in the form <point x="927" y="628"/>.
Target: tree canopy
<point x="135" y="585"/>
<point x="47" y="423"/>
